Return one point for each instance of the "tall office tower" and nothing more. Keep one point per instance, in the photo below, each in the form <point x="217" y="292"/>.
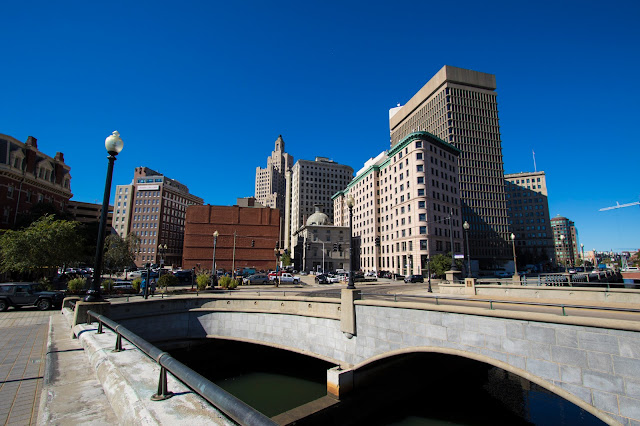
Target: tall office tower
<point x="156" y="209"/>
<point x="407" y="206"/>
<point x="565" y="236"/>
<point x="271" y="181"/>
<point x="459" y="106"/>
<point x="314" y="183"/>
<point x="122" y="209"/>
<point x="528" y="209"/>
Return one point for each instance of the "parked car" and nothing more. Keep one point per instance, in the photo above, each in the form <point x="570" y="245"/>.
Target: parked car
<point x="28" y="294"/>
<point x="288" y="278"/>
<point x="333" y="279"/>
<point x="256" y="279"/>
<point x="414" y="279"/>
<point x="184" y="276"/>
<point x="123" y="287"/>
<point x="322" y="279"/>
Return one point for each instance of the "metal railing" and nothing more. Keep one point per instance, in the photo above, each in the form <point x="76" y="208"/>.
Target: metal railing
<point x="234" y="408"/>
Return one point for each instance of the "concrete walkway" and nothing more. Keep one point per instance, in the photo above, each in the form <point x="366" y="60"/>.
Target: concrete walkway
<point x="71" y="392"/>
<point x="23" y="342"/>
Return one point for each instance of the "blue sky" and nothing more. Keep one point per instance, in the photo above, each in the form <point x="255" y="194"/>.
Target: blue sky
<point x="200" y="90"/>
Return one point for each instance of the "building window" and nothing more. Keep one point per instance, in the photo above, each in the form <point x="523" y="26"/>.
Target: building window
<point x="420" y="167"/>
<point x="423" y="230"/>
<point x="10" y="191"/>
<point x="422" y="204"/>
<point x="423" y="244"/>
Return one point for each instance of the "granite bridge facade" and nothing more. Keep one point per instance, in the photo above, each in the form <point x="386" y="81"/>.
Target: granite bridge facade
<point x="593" y="363"/>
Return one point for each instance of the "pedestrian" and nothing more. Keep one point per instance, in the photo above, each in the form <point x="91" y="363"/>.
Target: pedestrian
<point x="153" y="286"/>
<point x="143" y="286"/>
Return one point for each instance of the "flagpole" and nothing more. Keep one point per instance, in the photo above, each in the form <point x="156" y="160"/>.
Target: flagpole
<point x="535" y="169"/>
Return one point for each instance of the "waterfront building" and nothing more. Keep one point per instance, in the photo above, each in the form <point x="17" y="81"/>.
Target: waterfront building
<point x="528" y="208"/>
<point x="459" y="106"/>
<point x="28" y="177"/>
<point x="407" y="206"/>
<point x="246" y="237"/>
<point x="565" y="236"/>
<point x="323" y="246"/>
<point x="153" y="207"/>
<point x="312" y="184"/>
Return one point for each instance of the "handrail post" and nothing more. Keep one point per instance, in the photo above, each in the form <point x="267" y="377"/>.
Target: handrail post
<point x="118" y="347"/>
<point x="163" y="393"/>
<point x="100" y="328"/>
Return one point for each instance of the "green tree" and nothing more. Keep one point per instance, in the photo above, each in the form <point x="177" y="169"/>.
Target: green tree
<point x="441" y="263"/>
<point x="119" y="253"/>
<point x="203" y="280"/>
<point x="167" y="280"/>
<point x="286" y="258"/>
<point x="44" y="245"/>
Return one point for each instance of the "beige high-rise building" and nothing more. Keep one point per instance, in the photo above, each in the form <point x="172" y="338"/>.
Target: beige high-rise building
<point x="314" y="183"/>
<point x="528" y="206"/>
<point x="407" y="206"/>
<point x="271" y="181"/>
<point x="153" y="207"/>
<point x="460" y="107"/>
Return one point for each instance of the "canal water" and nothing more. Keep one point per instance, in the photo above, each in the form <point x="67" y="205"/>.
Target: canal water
<point x="418" y="389"/>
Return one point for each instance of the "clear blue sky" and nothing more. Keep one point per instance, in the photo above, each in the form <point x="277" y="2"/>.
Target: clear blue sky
<point x="200" y="90"/>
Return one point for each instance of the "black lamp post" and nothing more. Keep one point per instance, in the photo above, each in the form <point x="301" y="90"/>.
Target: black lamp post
<point x="466" y="227"/>
<point x="162" y="248"/>
<point x="564" y="253"/>
<point x="515" y="265"/>
<point x="429" y="274"/>
<point x="114" y="145"/>
<point x="214" y="273"/>
<point x="350" y="203"/>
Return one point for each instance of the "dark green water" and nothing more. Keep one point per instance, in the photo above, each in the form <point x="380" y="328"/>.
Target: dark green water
<point x="421" y="389"/>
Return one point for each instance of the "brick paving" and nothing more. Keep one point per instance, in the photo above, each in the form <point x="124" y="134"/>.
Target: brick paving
<point x="23" y="345"/>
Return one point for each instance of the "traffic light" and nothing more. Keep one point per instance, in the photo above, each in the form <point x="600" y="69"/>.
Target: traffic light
<point x="308" y="246"/>
<point x="335" y="247"/>
<point x="339" y="247"/>
<point x="253" y="243"/>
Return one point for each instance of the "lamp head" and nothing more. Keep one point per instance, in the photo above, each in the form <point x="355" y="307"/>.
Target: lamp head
<point x="465" y="225"/>
<point x="351" y="201"/>
<point x="113" y="143"/>
<point x="215" y="234"/>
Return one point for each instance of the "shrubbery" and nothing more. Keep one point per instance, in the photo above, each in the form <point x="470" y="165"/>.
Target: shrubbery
<point x="136" y="284"/>
<point x="107" y="285"/>
<point x="77" y="285"/>
<point x="203" y="280"/>
<point x="228" y="282"/>
<point x="167" y="280"/>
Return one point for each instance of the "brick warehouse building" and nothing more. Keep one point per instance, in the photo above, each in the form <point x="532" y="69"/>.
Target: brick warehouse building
<point x="256" y="233"/>
<point x="28" y="177"/>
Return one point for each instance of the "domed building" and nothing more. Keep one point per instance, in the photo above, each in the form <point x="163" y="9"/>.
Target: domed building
<point x="321" y="246"/>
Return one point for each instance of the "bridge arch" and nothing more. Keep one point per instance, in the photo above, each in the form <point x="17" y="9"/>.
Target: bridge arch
<point x="489" y="361"/>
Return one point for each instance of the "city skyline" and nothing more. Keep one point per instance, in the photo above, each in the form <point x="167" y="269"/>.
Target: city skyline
<point x="223" y="81"/>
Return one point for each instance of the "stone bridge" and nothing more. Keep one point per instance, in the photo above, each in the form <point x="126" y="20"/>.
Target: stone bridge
<point x="593" y="363"/>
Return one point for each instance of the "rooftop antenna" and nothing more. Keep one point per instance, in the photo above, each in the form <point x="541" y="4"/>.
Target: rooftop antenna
<point x="535" y="169"/>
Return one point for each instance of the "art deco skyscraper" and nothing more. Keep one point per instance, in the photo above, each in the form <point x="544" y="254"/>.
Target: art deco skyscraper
<point x="460" y="107"/>
<point x="271" y="181"/>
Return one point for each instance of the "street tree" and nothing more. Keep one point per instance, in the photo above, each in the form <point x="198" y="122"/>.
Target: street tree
<point x="441" y="263"/>
<point x="42" y="246"/>
<point x="119" y="253"/>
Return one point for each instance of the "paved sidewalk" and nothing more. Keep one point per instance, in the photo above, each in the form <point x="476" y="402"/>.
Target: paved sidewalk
<point x="23" y="344"/>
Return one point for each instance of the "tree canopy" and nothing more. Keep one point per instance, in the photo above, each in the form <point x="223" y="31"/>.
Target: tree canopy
<point x="45" y="243"/>
<point x="441" y="263"/>
<point x="119" y="253"/>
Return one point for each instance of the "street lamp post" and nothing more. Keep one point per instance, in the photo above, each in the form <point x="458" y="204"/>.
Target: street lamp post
<point x="515" y="265"/>
<point x="466" y="227"/>
<point x="564" y="253"/>
<point x="162" y="248"/>
<point x="453" y="258"/>
<point x="350" y="203"/>
<point x="429" y="274"/>
<point x="584" y="266"/>
<point x="114" y="145"/>
<point x="214" y="273"/>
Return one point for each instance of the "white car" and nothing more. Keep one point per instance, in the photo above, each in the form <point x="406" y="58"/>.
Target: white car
<point x="332" y="279"/>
